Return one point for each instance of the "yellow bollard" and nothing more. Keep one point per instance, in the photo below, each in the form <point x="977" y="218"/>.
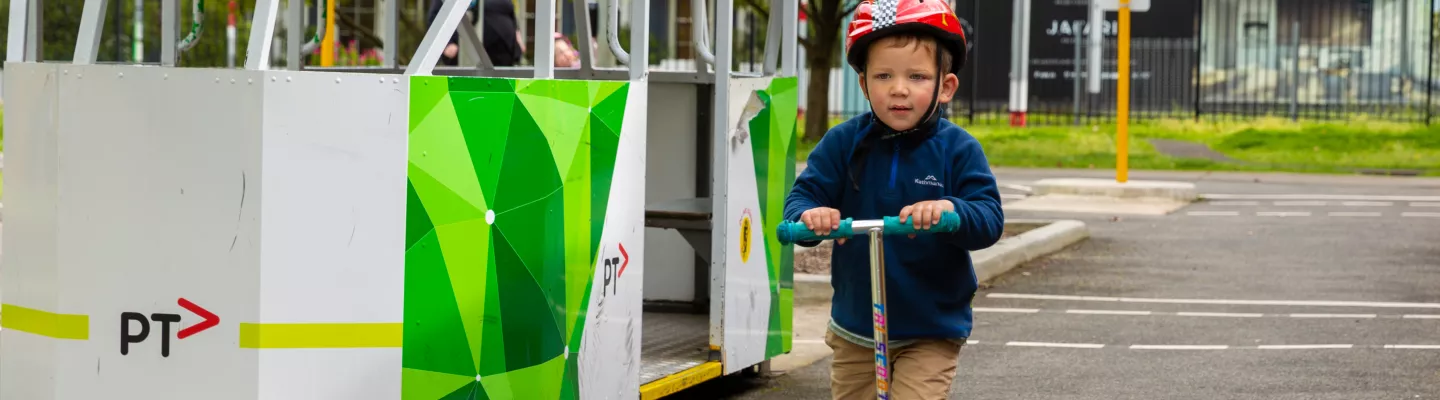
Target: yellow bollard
<point x="1122" y="109"/>
<point x="327" y="43"/>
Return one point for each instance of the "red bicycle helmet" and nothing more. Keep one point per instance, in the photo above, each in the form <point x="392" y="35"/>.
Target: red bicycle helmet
<point x="875" y="20"/>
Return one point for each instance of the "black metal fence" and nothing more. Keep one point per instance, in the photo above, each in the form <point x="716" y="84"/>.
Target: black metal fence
<point x="1214" y="59"/>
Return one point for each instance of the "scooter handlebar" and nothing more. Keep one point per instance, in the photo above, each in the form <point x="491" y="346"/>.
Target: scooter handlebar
<point x="794" y="231"/>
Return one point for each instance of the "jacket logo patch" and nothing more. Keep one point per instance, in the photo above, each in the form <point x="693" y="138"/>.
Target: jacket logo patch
<point x="931" y="181"/>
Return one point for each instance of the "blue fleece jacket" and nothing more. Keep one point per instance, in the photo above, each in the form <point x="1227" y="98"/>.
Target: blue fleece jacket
<point x="930" y="280"/>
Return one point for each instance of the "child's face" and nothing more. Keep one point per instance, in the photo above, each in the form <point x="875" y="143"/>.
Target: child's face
<point x="900" y="80"/>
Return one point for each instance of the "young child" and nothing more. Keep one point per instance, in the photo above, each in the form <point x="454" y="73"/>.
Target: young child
<point x="901" y="159"/>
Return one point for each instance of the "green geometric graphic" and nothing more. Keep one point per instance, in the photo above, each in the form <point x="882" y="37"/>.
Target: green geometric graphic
<point x="773" y="142"/>
<point x="508" y="186"/>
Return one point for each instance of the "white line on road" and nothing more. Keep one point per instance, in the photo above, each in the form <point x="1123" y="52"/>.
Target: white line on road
<point x="1283" y="213"/>
<point x="1007" y="196"/>
<point x="1421" y="214"/>
<point x="1204" y="346"/>
<point x="1219" y="314"/>
<point x="1421" y="316"/>
<point x="1013" y="186"/>
<point x="1368" y="203"/>
<point x="1424" y="204"/>
<point x="1220" y="196"/>
<point x="1062" y="345"/>
<point x="1108" y="312"/>
<point x="1214" y="213"/>
<point x="1306" y="303"/>
<point x="1007" y="310"/>
<point x="1177" y="347"/>
<point x="1332" y="315"/>
<point x="1300" y="203"/>
<point x="1304" y="346"/>
<point x="1354" y="214"/>
<point x="1198" y="314"/>
<point x="1234" y="203"/>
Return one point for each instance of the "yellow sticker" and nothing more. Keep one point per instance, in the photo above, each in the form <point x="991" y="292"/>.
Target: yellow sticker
<point x="745" y="237"/>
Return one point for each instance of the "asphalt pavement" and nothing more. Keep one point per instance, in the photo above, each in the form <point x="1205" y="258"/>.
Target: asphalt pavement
<point x="1278" y="287"/>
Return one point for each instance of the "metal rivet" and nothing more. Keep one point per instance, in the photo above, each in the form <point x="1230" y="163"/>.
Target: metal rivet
<point x="337" y="80"/>
<point x="232" y="81"/>
<point x="167" y="76"/>
<point x="382" y="80"/>
<point x="66" y="72"/>
<point x="217" y="80"/>
<point x="395" y="80"/>
<point x="272" y="79"/>
<point x="288" y="79"/>
<point x="122" y="74"/>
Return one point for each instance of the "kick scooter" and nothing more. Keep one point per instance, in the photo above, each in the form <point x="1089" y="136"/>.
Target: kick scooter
<point x="790" y="232"/>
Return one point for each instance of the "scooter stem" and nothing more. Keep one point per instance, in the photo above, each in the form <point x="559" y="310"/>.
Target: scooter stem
<point x="877" y="297"/>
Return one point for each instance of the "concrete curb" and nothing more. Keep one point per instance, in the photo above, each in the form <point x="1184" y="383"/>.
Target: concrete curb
<point x="813" y="292"/>
<point x="1176" y="191"/>
<point x="1006" y="255"/>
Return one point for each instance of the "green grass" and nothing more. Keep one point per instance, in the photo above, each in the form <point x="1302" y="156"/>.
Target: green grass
<point x="1266" y="144"/>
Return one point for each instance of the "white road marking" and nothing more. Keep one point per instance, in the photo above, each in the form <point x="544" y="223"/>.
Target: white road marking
<point x="1007" y="310"/>
<point x="1217" y="314"/>
<point x="1234" y="203"/>
<point x="1424" y="204"/>
<point x="1005" y="196"/>
<point x="1413" y="346"/>
<point x="1193" y="347"/>
<point x="1283" y="213"/>
<point x="1300" y="203"/>
<point x="1305" y="346"/>
<point x="1214" y="213"/>
<point x="1177" y="347"/>
<point x="1332" y="315"/>
<point x="1198" y="314"/>
<point x="1108" y="312"/>
<point x="1305" y="303"/>
<point x="1354" y="214"/>
<point x="1353" y="197"/>
<point x="1421" y="214"/>
<point x="1013" y="186"/>
<point x="1368" y="203"/>
<point x="1061" y="345"/>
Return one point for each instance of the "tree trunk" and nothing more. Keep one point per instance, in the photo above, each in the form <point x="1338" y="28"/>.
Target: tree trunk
<point x="817" y="107"/>
<point x="817" y="96"/>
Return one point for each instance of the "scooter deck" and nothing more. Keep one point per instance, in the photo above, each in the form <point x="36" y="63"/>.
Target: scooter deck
<point x="671" y="343"/>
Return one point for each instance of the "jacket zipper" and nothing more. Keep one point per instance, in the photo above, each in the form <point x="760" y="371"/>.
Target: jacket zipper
<point x="894" y="164"/>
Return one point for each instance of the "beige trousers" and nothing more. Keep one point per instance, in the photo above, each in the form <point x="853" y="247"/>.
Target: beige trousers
<point x="921" y="371"/>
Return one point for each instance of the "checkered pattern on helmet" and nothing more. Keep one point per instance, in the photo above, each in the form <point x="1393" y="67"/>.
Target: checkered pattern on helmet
<point x="885" y="13"/>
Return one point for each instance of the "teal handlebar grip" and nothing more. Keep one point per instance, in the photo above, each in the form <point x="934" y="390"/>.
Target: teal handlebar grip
<point x="790" y="232"/>
<point x="949" y="222"/>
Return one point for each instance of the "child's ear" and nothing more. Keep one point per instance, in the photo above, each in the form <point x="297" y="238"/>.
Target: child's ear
<point x="948" y="86"/>
<point x="863" y="90"/>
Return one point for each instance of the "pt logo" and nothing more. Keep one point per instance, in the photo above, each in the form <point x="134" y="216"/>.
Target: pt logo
<point x="745" y="236"/>
<point x="127" y="337"/>
<point x="614" y="268"/>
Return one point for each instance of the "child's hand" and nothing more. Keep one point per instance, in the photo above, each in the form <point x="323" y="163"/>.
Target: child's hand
<point x="925" y="213"/>
<point x="822" y="220"/>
